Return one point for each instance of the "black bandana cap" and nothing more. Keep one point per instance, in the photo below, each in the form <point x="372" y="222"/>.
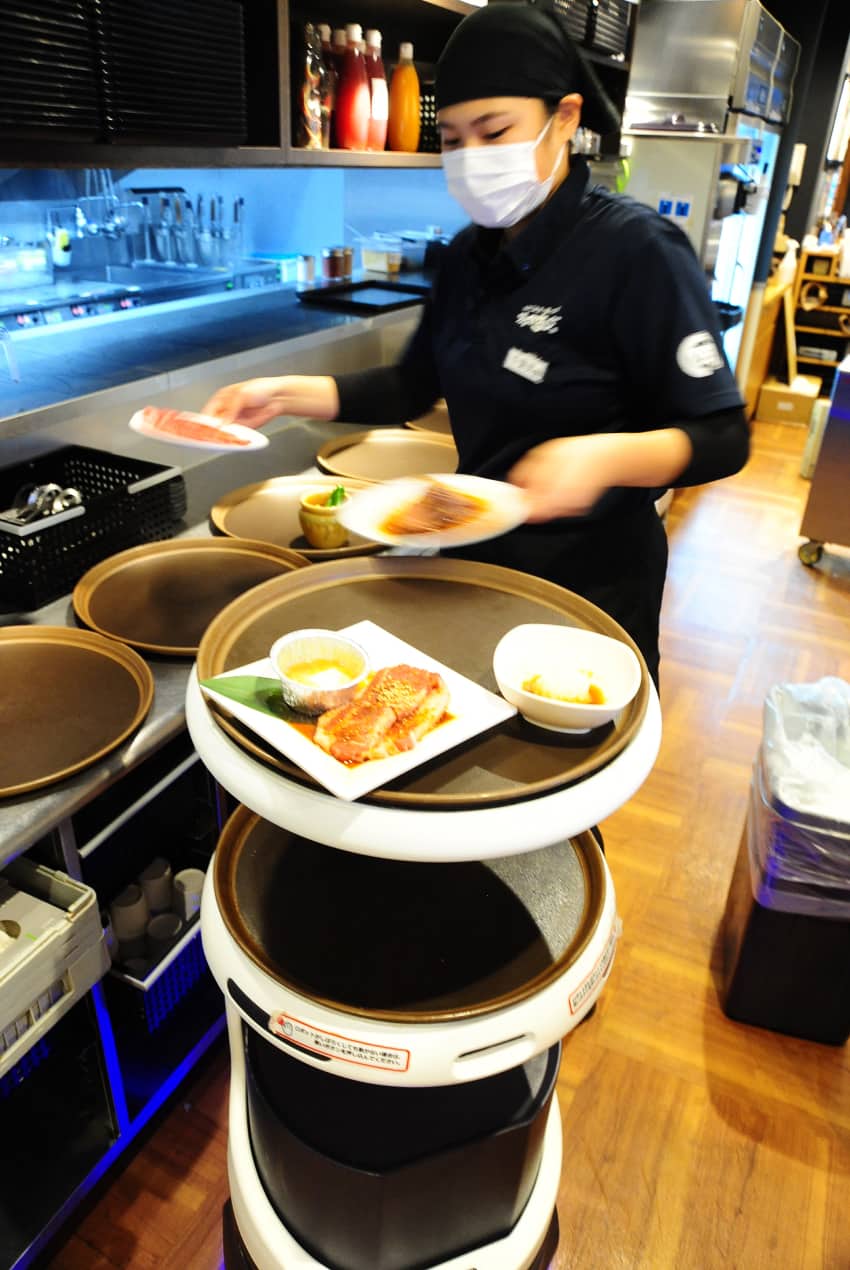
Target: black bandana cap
<point x="521" y="48"/>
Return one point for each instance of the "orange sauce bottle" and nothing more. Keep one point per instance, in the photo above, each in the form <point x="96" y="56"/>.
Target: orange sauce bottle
<point x="403" y="130"/>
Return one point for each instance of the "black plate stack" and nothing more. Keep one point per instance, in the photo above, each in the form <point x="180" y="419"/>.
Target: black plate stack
<point x="47" y="70"/>
<point x="173" y="73"/>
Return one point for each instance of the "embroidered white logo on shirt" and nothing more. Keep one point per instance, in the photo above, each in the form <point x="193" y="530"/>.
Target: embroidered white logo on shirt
<point x="526" y="364"/>
<point x="698" y="355"/>
<point x="539" y="318"/>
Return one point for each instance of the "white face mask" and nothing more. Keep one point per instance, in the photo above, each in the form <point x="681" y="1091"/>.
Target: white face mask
<point x="497" y="186"/>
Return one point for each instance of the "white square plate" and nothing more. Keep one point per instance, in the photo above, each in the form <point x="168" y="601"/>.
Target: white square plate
<point x="472" y="709"/>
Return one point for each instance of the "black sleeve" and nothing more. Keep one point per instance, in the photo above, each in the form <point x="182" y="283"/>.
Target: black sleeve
<point x="394" y="394"/>
<point x="721" y="446"/>
<point x="665" y="330"/>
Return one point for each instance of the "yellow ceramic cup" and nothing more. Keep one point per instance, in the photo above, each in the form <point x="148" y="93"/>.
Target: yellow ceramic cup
<point x="319" y="522"/>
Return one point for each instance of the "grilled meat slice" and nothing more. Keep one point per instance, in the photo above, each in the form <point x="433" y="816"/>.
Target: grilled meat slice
<point x="389" y="715"/>
<point x="439" y="508"/>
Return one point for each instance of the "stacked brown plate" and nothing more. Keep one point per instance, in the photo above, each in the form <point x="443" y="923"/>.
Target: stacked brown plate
<point x="162" y="596"/>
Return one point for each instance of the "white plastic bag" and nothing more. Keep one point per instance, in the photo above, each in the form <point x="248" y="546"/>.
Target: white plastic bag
<point x="807" y="747"/>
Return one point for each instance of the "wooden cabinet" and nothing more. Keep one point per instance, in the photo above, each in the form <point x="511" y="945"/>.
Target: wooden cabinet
<point x="821" y="314"/>
<point x="134" y="126"/>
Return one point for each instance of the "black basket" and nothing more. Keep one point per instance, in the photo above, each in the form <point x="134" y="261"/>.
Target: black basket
<point x="609" y="31"/>
<point x="429" y="136"/>
<point x="125" y="502"/>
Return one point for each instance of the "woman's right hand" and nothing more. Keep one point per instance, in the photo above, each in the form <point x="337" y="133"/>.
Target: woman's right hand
<point x="254" y="402"/>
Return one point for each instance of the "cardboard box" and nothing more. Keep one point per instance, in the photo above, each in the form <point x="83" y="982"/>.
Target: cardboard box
<point x="788" y="403"/>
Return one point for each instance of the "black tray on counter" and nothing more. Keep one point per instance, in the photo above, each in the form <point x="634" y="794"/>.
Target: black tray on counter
<point x="368" y="296"/>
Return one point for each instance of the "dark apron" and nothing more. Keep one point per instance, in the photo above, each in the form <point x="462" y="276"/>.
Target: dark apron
<point x="618" y="563"/>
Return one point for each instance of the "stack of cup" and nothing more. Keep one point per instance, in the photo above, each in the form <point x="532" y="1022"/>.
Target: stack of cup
<point x="148" y="916"/>
<point x="129" y="915"/>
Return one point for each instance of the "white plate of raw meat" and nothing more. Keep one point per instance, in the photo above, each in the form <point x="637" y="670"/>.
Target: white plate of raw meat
<point x="471" y="709"/>
<point x="201" y="432"/>
<point x="447" y="510"/>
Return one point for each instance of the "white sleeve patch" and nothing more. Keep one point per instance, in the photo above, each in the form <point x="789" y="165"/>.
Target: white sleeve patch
<point x="698" y="355"/>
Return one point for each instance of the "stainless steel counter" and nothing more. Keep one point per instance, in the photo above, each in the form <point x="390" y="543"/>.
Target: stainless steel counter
<point x="25" y="819"/>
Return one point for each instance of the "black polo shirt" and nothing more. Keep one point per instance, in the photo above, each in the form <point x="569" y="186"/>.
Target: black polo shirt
<point x="595" y="317"/>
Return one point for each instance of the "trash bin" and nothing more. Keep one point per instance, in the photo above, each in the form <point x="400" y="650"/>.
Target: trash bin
<point x="786" y="928"/>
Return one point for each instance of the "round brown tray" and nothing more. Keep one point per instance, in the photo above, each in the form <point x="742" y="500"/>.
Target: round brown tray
<point x="386" y="454"/>
<point x="268" y="512"/>
<point x="69" y="697"/>
<point x="455" y="611"/>
<point x="162" y="596"/>
<point x="436" y="420"/>
<point x="410" y="920"/>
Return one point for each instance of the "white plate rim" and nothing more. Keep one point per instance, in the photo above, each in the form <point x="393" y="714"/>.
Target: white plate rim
<point x="508" y="501"/>
<point x="256" y="440"/>
<point x="351" y="783"/>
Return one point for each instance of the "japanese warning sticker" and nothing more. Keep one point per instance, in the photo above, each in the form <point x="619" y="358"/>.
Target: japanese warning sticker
<point x="333" y="1045"/>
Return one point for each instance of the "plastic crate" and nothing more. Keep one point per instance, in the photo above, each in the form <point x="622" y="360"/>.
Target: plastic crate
<point x="56" y="965"/>
<point x="126" y="501"/>
<point x="151" y="1001"/>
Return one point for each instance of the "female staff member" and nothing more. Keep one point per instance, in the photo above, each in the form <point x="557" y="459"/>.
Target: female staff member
<point x="570" y="330"/>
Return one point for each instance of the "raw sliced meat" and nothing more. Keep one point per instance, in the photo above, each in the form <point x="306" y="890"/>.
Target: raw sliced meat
<point x="178" y="423"/>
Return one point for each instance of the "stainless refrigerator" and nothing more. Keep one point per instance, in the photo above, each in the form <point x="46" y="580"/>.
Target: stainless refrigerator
<point x="710" y="90"/>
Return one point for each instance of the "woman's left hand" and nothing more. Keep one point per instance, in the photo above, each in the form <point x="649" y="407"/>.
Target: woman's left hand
<point x="567" y="476"/>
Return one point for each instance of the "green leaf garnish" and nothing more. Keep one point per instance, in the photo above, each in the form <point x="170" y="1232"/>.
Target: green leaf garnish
<point x="336" y="496"/>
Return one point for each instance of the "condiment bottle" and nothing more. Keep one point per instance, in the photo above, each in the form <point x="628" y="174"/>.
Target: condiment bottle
<point x="330" y="86"/>
<point x="352" y="109"/>
<point x="338" y="47"/>
<point x="378" y="94"/>
<point x="403" y="131"/>
<point x="312" y="88"/>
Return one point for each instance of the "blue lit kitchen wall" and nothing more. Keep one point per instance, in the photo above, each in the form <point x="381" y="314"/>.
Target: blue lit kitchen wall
<point x="285" y="210"/>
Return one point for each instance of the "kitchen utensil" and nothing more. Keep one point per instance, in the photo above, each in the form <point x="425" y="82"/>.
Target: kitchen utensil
<point x="69" y="697"/>
<point x="384" y="454"/>
<point x="203" y="236"/>
<point x="269" y="512"/>
<point x="498" y="508"/>
<point x="161" y="596"/>
<point x="455" y="611"/>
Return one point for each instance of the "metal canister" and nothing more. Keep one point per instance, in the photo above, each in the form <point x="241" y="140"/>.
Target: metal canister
<point x="305" y="270"/>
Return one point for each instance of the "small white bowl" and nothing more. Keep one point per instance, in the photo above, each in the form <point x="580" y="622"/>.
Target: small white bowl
<point x="300" y="648"/>
<point x="539" y="649"/>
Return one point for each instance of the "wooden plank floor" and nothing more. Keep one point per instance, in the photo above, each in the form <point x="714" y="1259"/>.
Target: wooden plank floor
<point x="691" y="1142"/>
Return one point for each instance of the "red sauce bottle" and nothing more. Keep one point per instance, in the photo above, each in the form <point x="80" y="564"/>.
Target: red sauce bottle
<point x="379" y="99"/>
<point x="353" y="106"/>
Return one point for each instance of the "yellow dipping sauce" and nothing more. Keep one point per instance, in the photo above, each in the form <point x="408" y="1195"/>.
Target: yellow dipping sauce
<point x="320" y="673"/>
